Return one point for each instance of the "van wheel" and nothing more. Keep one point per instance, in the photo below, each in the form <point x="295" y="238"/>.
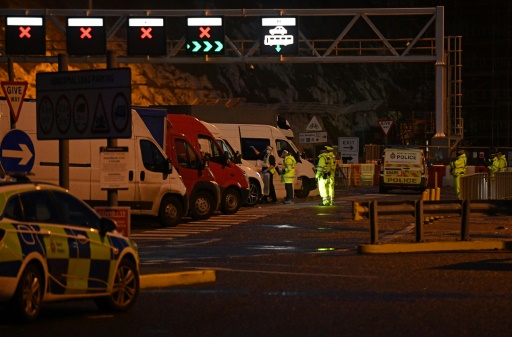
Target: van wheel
<point x="27" y="300"/>
<point x="201" y="206"/>
<point x="254" y="193"/>
<point x="124" y="290"/>
<point x="231" y="201"/>
<point x="170" y="212"/>
<point x="304" y="190"/>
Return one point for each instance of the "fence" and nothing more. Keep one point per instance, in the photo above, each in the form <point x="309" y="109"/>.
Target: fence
<point x="420" y="209"/>
<point x="480" y="186"/>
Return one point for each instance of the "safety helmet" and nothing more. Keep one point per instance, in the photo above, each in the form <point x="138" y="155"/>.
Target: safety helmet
<point x="328" y="148"/>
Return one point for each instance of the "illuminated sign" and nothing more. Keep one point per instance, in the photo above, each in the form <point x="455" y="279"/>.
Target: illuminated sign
<point x="205" y="36"/>
<point x="25" y="35"/>
<point x="279" y="36"/>
<point x="86" y="36"/>
<point x="146" y="36"/>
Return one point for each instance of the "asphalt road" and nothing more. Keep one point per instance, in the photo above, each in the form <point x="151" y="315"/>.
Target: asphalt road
<point x="294" y="270"/>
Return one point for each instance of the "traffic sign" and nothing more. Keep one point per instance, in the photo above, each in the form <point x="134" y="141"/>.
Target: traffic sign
<point x="17" y="152"/>
<point x="205" y="36"/>
<point x="86" y="36"/>
<point x="349" y="149"/>
<point x="279" y="36"/>
<point x="385" y="126"/>
<point x="314" y="125"/>
<point x="25" y="35"/>
<point x="313" y="137"/>
<point x="14" y="92"/>
<point x="146" y="36"/>
<point x="84" y="104"/>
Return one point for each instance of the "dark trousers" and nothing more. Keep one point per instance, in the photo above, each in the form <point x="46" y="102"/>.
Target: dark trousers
<point x="289" y="191"/>
<point x="272" y="190"/>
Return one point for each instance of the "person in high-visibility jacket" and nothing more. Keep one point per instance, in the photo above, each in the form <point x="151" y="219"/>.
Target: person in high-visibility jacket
<point x="325" y="171"/>
<point x="498" y="164"/>
<point x="458" y="169"/>
<point x="288" y="175"/>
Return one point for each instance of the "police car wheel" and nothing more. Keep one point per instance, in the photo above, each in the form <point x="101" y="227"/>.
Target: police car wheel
<point x="124" y="291"/>
<point x="27" y="299"/>
<point x="231" y="202"/>
<point x="170" y="212"/>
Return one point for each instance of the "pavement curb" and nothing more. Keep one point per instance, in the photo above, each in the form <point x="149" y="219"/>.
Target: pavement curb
<point x="176" y="279"/>
<point x="433" y="247"/>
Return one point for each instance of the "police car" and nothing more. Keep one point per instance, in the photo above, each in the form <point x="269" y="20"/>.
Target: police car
<point x="55" y="247"/>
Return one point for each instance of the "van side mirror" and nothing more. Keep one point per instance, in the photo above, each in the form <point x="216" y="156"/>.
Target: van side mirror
<point x="238" y="158"/>
<point x="167" y="166"/>
<point x="206" y="160"/>
<point x="224" y="159"/>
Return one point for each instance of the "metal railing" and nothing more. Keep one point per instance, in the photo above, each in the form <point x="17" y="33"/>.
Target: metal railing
<point x="481" y="186"/>
<point x="419" y="209"/>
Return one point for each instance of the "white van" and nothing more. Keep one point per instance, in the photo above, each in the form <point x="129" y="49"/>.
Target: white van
<point x="243" y="136"/>
<point x="255" y="180"/>
<point x="155" y="187"/>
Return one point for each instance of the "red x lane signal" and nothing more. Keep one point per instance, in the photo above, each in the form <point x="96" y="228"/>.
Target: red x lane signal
<point x="86" y="33"/>
<point x="25" y="35"/>
<point x="25" y="32"/>
<point x="146" y="33"/>
<point x="146" y="36"/>
<point x="204" y="32"/>
<point x="86" y="36"/>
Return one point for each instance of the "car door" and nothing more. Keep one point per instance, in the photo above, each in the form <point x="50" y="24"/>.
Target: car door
<point x="90" y="265"/>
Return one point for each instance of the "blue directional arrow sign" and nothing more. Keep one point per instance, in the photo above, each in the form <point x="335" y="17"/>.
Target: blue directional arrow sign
<point x="17" y="153"/>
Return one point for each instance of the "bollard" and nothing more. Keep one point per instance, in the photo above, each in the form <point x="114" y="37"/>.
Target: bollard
<point x="425" y="197"/>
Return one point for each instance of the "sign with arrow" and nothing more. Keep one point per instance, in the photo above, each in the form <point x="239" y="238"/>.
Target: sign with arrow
<point x="385" y="126"/>
<point x="279" y="36"/>
<point x="15" y="93"/>
<point x="205" y="36"/>
<point x="17" y="152"/>
<point x="349" y="149"/>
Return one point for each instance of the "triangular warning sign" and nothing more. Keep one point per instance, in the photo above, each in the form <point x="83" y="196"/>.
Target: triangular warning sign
<point x="14" y="92"/>
<point x="100" y="121"/>
<point x="314" y="125"/>
<point x="386" y="126"/>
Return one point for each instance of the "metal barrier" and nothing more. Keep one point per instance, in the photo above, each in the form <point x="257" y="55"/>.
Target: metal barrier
<point x="420" y="209"/>
<point x="480" y="186"/>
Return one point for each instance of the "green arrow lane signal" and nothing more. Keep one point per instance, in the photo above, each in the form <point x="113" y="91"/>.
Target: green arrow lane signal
<point x="198" y="46"/>
<point x="208" y="46"/>
<point x="220" y="45"/>
<point x="278" y="48"/>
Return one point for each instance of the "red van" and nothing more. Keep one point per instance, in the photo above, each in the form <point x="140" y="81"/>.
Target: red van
<point x="202" y="189"/>
<point x="234" y="185"/>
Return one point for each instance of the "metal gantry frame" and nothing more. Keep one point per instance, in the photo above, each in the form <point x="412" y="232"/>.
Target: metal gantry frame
<point x="377" y="49"/>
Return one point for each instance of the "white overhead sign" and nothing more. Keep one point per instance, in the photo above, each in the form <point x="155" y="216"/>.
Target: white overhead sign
<point x="84" y="104"/>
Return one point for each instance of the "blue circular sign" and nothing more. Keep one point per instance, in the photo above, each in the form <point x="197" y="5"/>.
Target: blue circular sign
<point x="17" y="153"/>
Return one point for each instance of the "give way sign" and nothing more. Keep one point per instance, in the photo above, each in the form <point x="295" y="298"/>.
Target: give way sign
<point x="385" y="126"/>
<point x="14" y="92"/>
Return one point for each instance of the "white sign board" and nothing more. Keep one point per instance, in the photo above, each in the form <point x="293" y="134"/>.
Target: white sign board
<point x="349" y="149"/>
<point x="313" y="137"/>
<point x="84" y="104"/>
<point x="114" y="168"/>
